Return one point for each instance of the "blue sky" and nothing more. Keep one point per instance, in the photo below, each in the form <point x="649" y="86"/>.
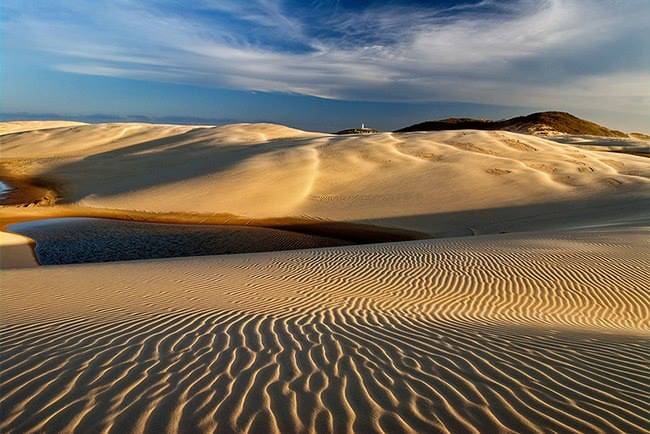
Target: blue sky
<point x="327" y="64"/>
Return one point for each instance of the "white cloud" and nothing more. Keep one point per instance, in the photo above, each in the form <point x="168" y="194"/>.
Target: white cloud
<point x="551" y="52"/>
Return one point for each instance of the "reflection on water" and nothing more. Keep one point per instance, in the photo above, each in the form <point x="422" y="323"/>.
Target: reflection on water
<point x="78" y="240"/>
<point x="5" y="189"/>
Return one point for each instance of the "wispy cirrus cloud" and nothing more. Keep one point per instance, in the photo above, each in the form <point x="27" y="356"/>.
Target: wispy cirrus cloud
<point x="565" y="53"/>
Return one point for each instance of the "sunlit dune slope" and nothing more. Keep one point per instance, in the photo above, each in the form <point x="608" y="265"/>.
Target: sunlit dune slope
<point x="83" y="140"/>
<point x="434" y="182"/>
<point x="23" y="126"/>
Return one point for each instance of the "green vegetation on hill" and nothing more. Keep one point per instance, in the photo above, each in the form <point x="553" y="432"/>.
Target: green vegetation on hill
<point x="536" y="123"/>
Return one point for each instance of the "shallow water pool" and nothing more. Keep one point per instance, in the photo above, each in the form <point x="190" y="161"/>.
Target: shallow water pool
<point x="81" y="240"/>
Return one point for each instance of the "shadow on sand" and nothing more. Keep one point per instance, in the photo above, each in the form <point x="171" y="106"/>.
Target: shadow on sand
<point x="194" y="153"/>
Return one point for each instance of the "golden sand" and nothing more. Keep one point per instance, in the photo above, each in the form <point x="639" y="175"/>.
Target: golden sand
<point x="544" y="329"/>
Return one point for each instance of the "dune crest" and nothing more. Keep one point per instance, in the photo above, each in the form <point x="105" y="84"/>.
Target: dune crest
<point x="12" y="127"/>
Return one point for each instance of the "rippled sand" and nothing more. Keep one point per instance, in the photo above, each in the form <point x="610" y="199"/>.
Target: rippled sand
<point x="519" y="333"/>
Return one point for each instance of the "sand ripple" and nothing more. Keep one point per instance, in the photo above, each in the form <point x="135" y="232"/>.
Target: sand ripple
<point x="517" y="333"/>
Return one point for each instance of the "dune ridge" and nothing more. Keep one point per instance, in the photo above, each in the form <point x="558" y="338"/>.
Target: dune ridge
<point x="12" y="127"/>
<point x="515" y="333"/>
<point x="267" y="171"/>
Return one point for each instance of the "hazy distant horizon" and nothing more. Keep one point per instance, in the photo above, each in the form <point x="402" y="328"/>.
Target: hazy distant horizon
<point x="330" y="126"/>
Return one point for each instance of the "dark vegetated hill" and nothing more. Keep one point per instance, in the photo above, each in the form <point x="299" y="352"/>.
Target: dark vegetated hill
<point x="542" y="123"/>
<point x="357" y="131"/>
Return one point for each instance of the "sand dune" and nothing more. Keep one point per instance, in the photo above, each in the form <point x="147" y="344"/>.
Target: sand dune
<point x="22" y="126"/>
<point x="545" y="329"/>
<point x="431" y="182"/>
<point x="16" y="251"/>
<point x="515" y="333"/>
<point x="630" y="145"/>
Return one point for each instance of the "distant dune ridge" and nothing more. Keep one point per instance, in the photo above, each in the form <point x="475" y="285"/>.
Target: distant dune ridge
<point x="22" y="126"/>
<point x="542" y="329"/>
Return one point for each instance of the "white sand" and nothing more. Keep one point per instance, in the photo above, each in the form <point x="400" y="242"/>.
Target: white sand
<point x="16" y="251"/>
<point x="538" y="331"/>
